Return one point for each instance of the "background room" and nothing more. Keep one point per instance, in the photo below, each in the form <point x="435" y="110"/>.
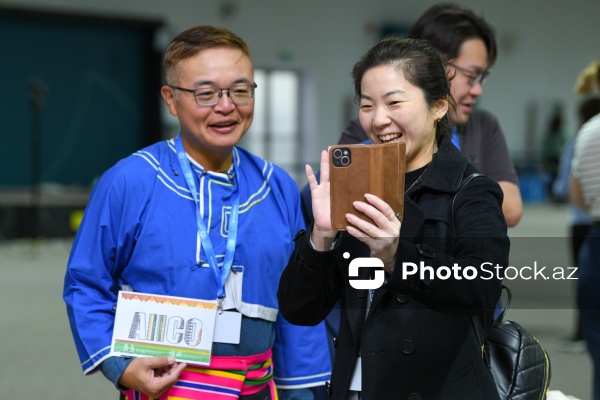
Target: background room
<point x="81" y="84"/>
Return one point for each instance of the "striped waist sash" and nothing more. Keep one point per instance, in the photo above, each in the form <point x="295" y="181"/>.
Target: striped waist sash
<point x="226" y="378"/>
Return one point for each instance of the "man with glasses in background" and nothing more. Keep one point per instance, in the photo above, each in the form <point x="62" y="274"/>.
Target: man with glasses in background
<point x="468" y="44"/>
<point x="198" y="218"/>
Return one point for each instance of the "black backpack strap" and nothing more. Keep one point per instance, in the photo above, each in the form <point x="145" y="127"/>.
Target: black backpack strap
<point x="478" y="327"/>
<point x="464" y="183"/>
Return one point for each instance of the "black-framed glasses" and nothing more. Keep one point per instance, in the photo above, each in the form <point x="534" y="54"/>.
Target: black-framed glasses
<point x="475" y="77"/>
<point x="209" y="95"/>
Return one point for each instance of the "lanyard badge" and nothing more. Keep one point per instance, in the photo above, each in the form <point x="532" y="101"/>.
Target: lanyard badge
<point x="220" y="274"/>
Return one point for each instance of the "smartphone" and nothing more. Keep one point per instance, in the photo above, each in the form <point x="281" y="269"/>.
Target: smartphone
<point x="365" y="168"/>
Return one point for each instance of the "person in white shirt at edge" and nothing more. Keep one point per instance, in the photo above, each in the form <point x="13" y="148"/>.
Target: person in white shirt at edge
<point x="584" y="192"/>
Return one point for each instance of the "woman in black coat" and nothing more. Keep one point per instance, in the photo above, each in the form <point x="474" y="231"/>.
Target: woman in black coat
<point x="413" y="338"/>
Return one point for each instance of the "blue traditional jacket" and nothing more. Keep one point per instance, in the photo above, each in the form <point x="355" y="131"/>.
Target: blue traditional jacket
<point x="140" y="231"/>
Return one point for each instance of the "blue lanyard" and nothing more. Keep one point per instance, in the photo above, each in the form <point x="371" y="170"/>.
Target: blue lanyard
<point x="220" y="275"/>
<point x="454" y="137"/>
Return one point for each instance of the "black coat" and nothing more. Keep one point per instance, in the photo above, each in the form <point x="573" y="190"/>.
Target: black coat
<point x="417" y="341"/>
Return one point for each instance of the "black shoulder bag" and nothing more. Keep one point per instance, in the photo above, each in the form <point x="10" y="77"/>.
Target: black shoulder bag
<point x="519" y="364"/>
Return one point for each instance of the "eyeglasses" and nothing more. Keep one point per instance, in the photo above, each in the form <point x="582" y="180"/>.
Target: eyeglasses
<point x="210" y="95"/>
<point x="475" y="77"/>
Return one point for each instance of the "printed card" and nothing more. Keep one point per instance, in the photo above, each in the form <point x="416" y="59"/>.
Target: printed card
<point x="148" y="325"/>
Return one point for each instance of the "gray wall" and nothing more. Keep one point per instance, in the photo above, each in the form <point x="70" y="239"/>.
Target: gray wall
<point x="544" y="44"/>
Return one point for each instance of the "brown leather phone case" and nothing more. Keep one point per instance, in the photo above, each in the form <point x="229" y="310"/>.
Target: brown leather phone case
<point x="365" y="168"/>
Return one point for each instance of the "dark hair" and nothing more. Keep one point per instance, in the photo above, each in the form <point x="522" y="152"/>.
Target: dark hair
<point x="421" y="65"/>
<point x="588" y="108"/>
<point x="447" y="26"/>
<point x="192" y="41"/>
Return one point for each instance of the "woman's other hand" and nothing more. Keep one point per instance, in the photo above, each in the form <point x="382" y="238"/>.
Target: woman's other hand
<point x="322" y="234"/>
<point x="382" y="235"/>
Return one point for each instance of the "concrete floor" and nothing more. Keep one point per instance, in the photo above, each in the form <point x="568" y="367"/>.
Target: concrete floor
<point x="39" y="359"/>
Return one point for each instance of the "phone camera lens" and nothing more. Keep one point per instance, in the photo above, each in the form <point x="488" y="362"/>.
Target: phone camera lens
<point x="345" y="161"/>
<point x="337" y="153"/>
